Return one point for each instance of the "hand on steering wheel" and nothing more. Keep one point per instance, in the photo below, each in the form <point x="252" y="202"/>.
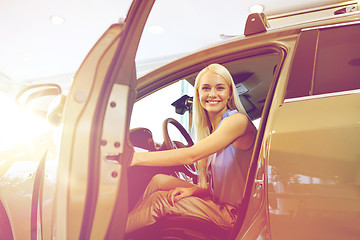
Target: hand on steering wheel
<point x="171" y="145"/>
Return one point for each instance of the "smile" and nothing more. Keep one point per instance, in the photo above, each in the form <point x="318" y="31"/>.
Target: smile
<point x="212" y="102"/>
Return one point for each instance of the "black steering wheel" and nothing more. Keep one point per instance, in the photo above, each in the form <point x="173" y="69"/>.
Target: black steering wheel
<point x="173" y="145"/>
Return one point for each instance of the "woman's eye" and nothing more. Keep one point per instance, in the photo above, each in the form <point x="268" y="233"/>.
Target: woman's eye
<point x="205" y="88"/>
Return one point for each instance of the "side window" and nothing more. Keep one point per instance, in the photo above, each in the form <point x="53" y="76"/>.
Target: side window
<point x="326" y="61"/>
<point x="338" y="60"/>
<point x="151" y="111"/>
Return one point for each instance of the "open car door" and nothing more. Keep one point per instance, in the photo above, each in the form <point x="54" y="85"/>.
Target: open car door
<point x="91" y="194"/>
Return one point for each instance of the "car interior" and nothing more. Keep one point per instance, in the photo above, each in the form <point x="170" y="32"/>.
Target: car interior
<point x="252" y="76"/>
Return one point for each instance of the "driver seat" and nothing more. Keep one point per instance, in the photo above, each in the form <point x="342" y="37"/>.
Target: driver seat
<point x="180" y="227"/>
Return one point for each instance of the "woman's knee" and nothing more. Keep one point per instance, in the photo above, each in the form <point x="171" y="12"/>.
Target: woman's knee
<point x="162" y="182"/>
<point x="158" y="203"/>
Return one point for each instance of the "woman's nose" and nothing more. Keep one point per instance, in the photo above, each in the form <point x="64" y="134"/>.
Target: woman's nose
<point x="212" y="92"/>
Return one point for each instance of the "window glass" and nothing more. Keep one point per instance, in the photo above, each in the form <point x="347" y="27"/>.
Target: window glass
<point x="151" y="111"/>
<point x="338" y="60"/>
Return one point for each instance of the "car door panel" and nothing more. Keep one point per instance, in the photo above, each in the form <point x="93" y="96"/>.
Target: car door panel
<point x="313" y="163"/>
<point x="314" y="166"/>
<point x="86" y="193"/>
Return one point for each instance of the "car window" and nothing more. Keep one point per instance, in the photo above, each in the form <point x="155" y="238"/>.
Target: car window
<point x="152" y="110"/>
<point x="326" y="61"/>
<point x="338" y="60"/>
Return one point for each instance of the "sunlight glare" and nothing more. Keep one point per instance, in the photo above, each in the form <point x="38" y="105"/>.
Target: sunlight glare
<point x="18" y="125"/>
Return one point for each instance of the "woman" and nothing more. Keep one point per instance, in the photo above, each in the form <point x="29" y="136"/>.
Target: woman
<point x="225" y="139"/>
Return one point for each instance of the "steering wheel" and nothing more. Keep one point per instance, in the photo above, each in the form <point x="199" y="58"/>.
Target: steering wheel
<point x="174" y="145"/>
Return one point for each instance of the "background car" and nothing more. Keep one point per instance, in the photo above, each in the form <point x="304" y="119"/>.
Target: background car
<point x="299" y="84"/>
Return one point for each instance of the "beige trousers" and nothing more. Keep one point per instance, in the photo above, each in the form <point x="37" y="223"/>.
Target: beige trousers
<point x="154" y="205"/>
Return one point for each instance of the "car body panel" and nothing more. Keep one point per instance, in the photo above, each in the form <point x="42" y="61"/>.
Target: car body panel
<point x="314" y="161"/>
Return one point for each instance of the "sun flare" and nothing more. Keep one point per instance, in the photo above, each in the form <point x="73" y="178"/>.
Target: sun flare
<point x="19" y="125"/>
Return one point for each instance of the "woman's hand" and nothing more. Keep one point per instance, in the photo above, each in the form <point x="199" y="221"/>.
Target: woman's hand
<point x="178" y="193"/>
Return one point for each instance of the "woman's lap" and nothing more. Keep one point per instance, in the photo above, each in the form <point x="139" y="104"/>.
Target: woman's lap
<point x="155" y="205"/>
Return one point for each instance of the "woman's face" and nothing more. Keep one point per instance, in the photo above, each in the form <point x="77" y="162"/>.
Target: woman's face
<point x="214" y="93"/>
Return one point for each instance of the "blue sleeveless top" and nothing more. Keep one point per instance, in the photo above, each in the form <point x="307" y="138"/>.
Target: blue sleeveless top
<point x="227" y="171"/>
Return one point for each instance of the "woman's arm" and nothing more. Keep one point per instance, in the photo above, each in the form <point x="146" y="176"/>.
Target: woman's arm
<point x="231" y="129"/>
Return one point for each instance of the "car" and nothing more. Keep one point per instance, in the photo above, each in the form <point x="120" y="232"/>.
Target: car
<point x="300" y="86"/>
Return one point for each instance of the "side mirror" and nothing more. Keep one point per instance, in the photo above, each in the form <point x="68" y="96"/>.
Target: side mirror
<point x="44" y="100"/>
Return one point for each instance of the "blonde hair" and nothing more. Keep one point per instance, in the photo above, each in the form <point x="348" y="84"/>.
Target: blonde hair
<point x="201" y="122"/>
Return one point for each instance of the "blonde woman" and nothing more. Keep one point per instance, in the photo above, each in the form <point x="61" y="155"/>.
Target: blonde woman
<point x="225" y="139"/>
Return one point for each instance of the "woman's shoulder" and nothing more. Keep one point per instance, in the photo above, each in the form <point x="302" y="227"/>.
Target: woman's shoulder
<point x="232" y="112"/>
<point x="229" y="113"/>
<point x="235" y="114"/>
<point x="242" y="125"/>
<point x="235" y="119"/>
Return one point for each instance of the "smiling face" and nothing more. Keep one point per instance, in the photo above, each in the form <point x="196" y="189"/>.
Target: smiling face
<point x="214" y="93"/>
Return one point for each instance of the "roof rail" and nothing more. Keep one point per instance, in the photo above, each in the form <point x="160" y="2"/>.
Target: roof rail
<point x="256" y="23"/>
<point x="311" y="14"/>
